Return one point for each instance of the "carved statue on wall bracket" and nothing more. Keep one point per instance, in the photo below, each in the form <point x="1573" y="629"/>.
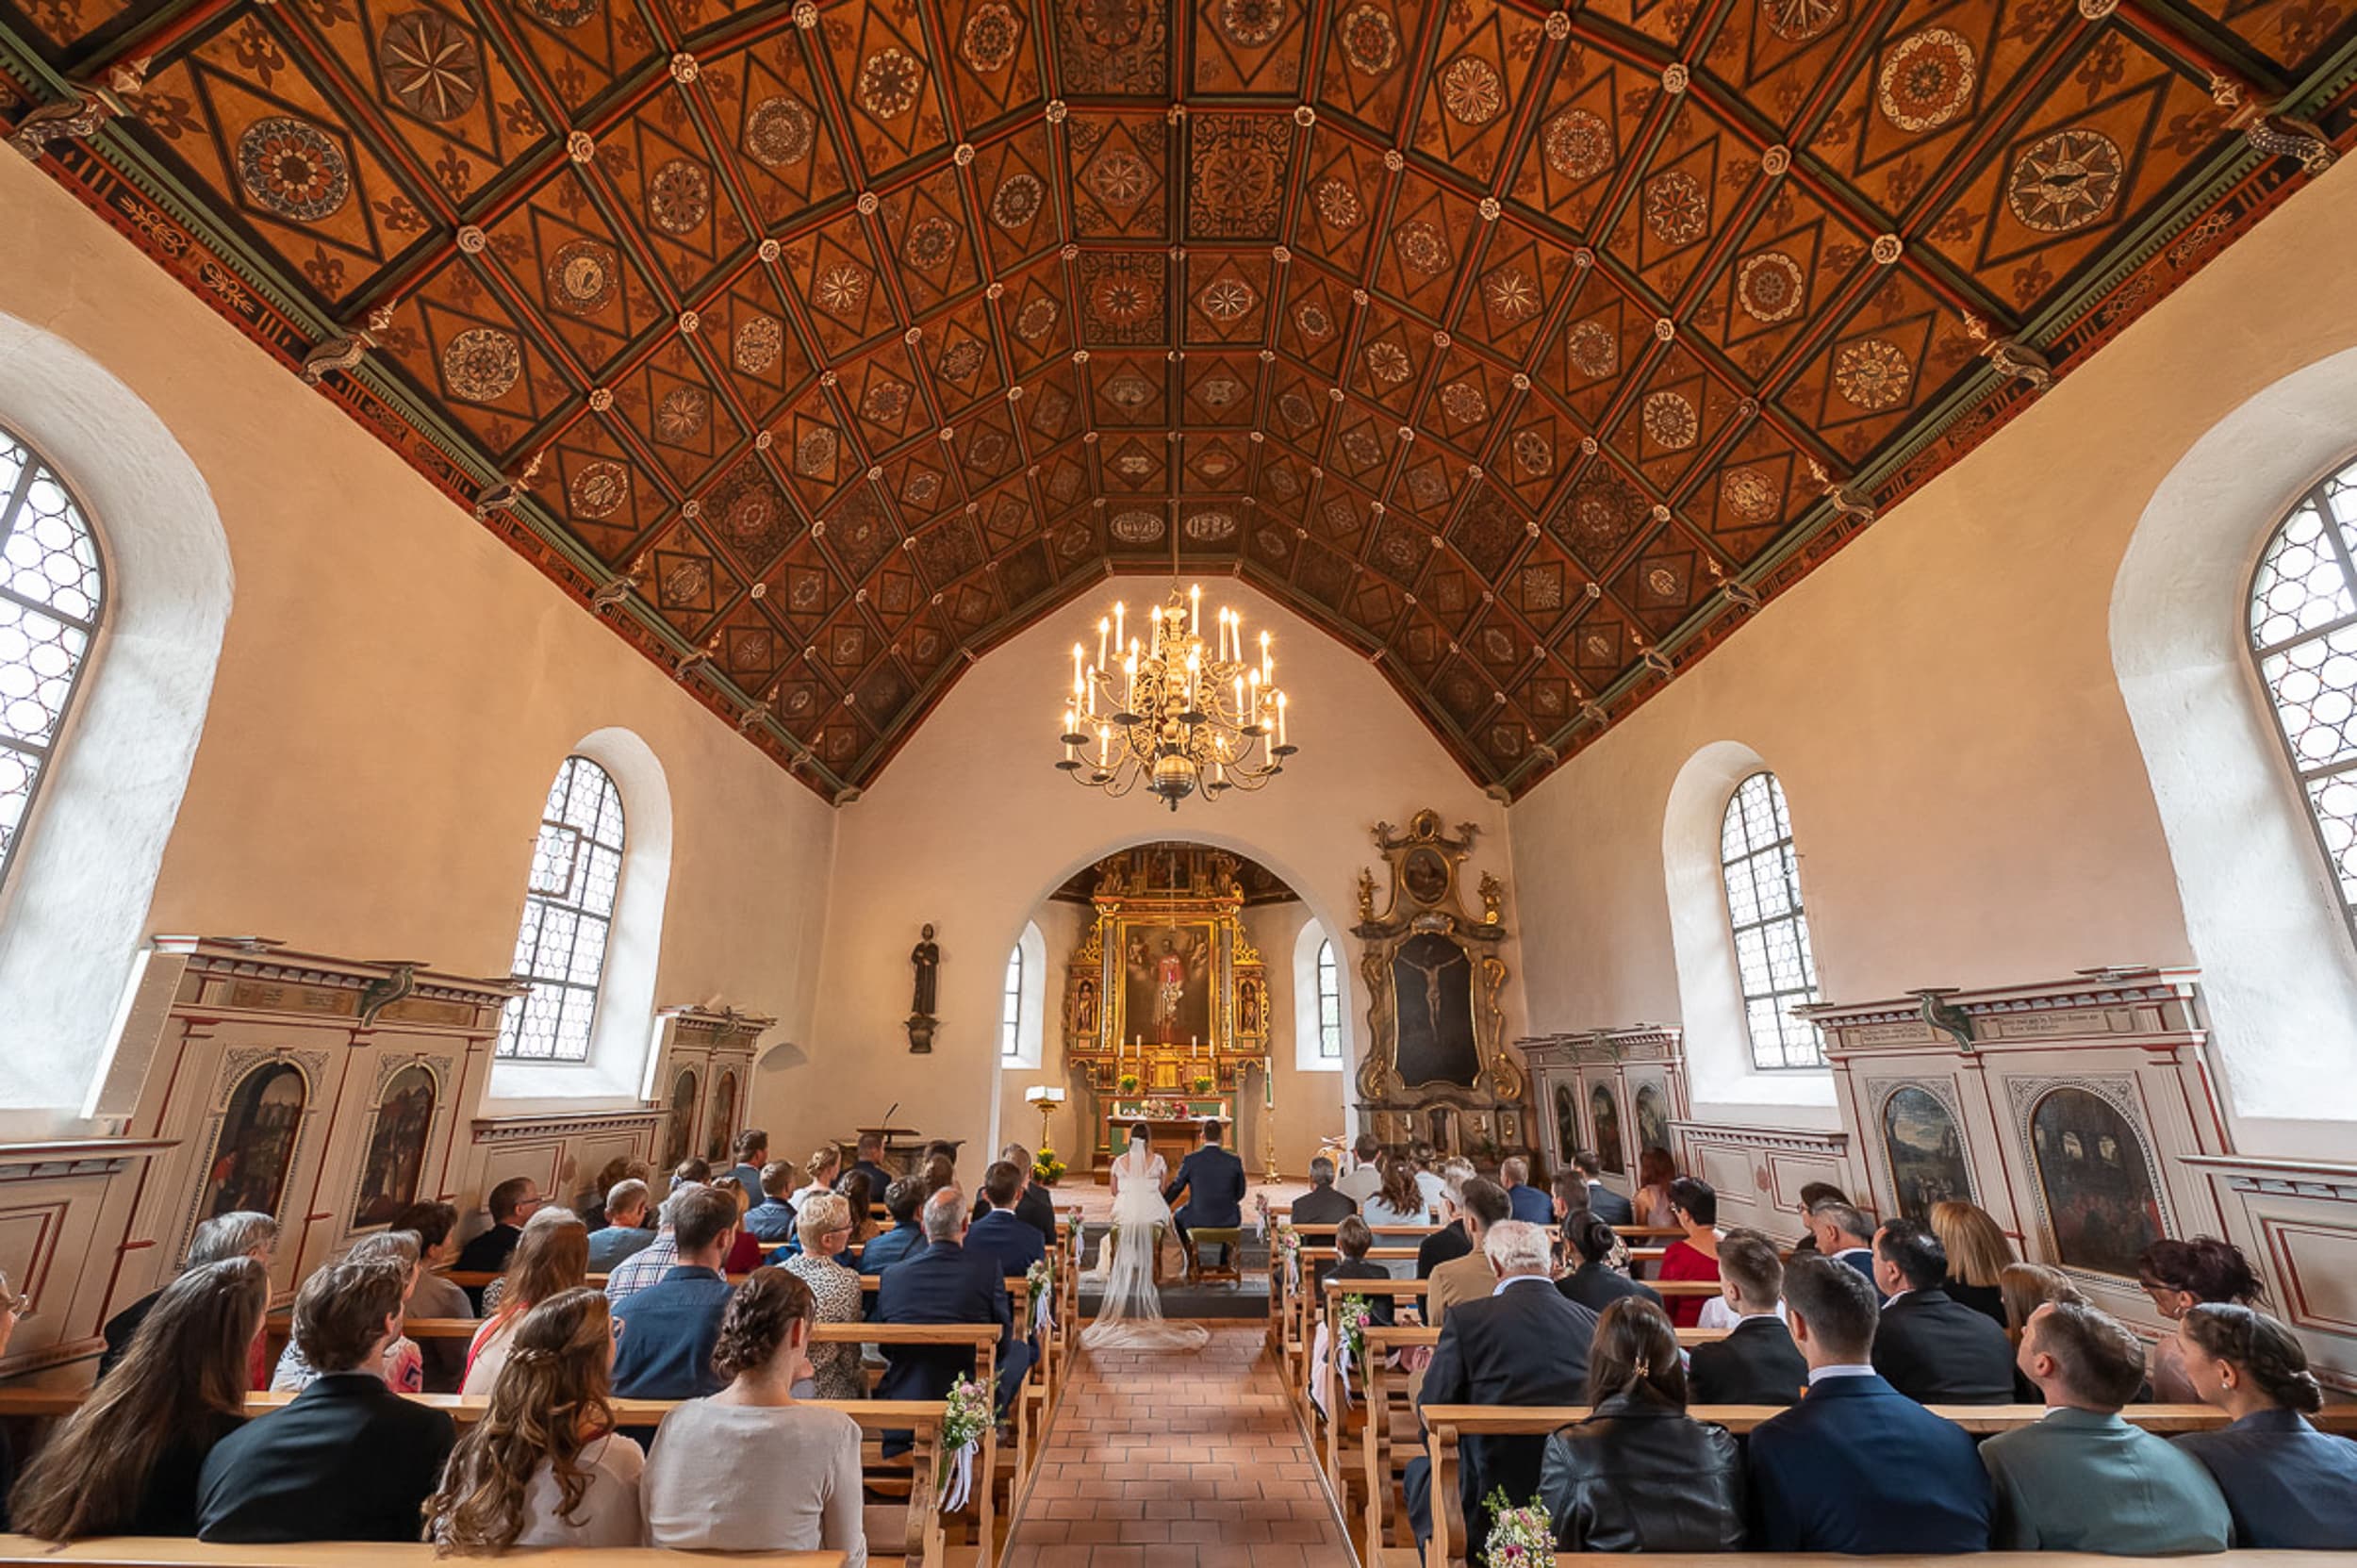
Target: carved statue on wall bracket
<point x="1438" y="1068"/>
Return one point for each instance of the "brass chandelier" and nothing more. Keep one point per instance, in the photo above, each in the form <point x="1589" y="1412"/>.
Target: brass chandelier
<point x="1173" y="713"/>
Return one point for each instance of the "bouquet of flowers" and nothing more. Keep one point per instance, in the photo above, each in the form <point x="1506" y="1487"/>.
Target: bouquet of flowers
<point x="1045" y="1167"/>
<point x="1350" y="1322"/>
<point x="1205" y="1085"/>
<point x="1127" y="1083"/>
<point x="1040" y="1281"/>
<point x="1289" y="1249"/>
<point x="1519" y="1537"/>
<point x="961" y="1429"/>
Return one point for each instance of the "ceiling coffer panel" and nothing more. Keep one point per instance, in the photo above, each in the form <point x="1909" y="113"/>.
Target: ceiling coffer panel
<point x="1527" y="349"/>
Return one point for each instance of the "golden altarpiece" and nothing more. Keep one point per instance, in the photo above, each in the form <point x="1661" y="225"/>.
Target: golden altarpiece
<point x="1166" y="1000"/>
<point x="1438" y="1068"/>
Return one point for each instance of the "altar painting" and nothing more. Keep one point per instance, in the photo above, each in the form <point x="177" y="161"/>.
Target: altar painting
<point x="2096" y="1180"/>
<point x="1926" y="1152"/>
<point x="1432" y="997"/>
<point x="1169" y="977"/>
<point x="257" y="1142"/>
<point x="396" y="1157"/>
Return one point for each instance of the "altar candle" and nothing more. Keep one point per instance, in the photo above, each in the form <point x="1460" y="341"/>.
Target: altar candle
<point x="1103" y="627"/>
<point x="1253" y="680"/>
<point x="1118" y="610"/>
<point x="1266" y="672"/>
<point x="1239" y="696"/>
<point x="1281" y="719"/>
<point x="1105" y="741"/>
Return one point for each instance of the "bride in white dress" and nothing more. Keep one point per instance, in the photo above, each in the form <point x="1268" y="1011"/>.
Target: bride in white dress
<point x="1130" y="1316"/>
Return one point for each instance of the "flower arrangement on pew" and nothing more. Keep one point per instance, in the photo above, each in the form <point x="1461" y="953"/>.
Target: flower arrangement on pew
<point x="1039" y="1281"/>
<point x="1350" y="1323"/>
<point x="962" y="1428"/>
<point x="1289" y="1247"/>
<point x="1519" y="1537"/>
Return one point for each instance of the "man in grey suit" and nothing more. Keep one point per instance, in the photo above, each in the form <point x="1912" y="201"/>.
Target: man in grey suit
<point x="2083" y="1479"/>
<point x="1213" y="1180"/>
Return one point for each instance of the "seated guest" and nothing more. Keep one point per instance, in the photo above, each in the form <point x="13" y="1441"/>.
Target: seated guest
<point x="2180" y="1276"/>
<point x="1640" y="1474"/>
<point x="803" y="1492"/>
<point x="2083" y="1479"/>
<point x="1352" y="1239"/>
<point x="1012" y="1246"/>
<point x="1399" y="1201"/>
<point x="1601" y="1276"/>
<point x="938" y="1171"/>
<point x="1655" y="1170"/>
<point x="349" y="1460"/>
<point x="1934" y="1350"/>
<point x="436" y="1225"/>
<point x="1720" y="1311"/>
<point x="826" y="1224"/>
<point x="241" y="1233"/>
<point x="1365" y="1177"/>
<point x="665" y="1341"/>
<point x="651" y="1262"/>
<point x="625" y="1233"/>
<point x="854" y="1188"/>
<point x="866" y="1157"/>
<point x="1977" y="1255"/>
<point x="821" y="1169"/>
<point x="1034" y="1208"/>
<point x="2288" y="1486"/>
<point x="1523" y="1344"/>
<point x="945" y="1283"/>
<point x="1431" y="1175"/>
<point x="1530" y="1204"/>
<point x="589" y="1203"/>
<point x="751" y="1148"/>
<point x="126" y="1461"/>
<point x="404" y="1367"/>
<point x="1694" y="1206"/>
<point x="1322" y="1204"/>
<point x="544" y="1466"/>
<point x="691" y="1172"/>
<point x="511" y="1203"/>
<point x="1601" y="1201"/>
<point x="771" y="1220"/>
<point x="1857" y="1466"/>
<point x="906" y="1238"/>
<point x="1757" y="1364"/>
<point x="1480" y="1204"/>
<point x="1453" y="1239"/>
<point x="1812" y="1194"/>
<point x="554" y="1256"/>
<point x="1840" y="1232"/>
<point x="2025" y="1288"/>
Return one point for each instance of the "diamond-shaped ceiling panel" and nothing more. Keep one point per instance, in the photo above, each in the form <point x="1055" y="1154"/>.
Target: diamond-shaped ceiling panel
<point x="1528" y="349"/>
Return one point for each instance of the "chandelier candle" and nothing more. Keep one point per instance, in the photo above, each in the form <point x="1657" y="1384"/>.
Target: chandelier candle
<point x="1185" y="718"/>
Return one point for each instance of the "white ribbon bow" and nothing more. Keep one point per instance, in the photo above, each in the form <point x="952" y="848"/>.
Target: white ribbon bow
<point x="960" y="1485"/>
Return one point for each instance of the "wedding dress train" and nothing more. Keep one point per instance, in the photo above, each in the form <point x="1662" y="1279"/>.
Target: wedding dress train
<point x="1131" y="1315"/>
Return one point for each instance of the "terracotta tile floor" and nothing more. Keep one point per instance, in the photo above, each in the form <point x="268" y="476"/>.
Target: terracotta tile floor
<point x="1178" y="1461"/>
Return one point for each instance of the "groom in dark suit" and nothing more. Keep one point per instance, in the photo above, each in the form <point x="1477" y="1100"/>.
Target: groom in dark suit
<point x="1213" y="1180"/>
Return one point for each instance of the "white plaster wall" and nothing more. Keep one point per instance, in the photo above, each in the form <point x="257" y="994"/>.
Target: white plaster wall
<point x="972" y="826"/>
<point x="396" y="687"/>
<point x="1968" y="798"/>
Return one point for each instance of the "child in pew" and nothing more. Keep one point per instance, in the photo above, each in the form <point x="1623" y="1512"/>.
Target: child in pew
<point x="804" y="1494"/>
<point x="126" y="1462"/>
<point x="545" y="1467"/>
<point x="1352" y="1238"/>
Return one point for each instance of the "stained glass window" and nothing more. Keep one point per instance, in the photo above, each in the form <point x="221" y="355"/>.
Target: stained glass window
<point x="568" y="915"/>
<point x="1329" y="1005"/>
<point x="2304" y="632"/>
<point x="1771" y="952"/>
<point x="1010" y="1008"/>
<point x="50" y="589"/>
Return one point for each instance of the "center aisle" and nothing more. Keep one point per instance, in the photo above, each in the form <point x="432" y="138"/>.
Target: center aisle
<point x="1188" y="1460"/>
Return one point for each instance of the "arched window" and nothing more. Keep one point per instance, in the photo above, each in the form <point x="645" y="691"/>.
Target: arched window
<point x="2303" y="634"/>
<point x="1329" y="1005"/>
<point x="1771" y="952"/>
<point x="1010" y="1008"/>
<point x="568" y="915"/>
<point x="51" y="590"/>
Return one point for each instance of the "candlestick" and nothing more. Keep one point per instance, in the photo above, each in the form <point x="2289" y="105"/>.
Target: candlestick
<point x="1103" y="627"/>
<point x="1117" y="615"/>
<point x="1281" y="719"/>
<point x="1195" y="625"/>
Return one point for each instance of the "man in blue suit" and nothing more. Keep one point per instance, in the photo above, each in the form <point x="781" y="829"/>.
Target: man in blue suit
<point x="1001" y="1235"/>
<point x="1213" y="1180"/>
<point x="1592" y="1195"/>
<point x="945" y="1283"/>
<point x="1856" y="1466"/>
<point x="1526" y="1201"/>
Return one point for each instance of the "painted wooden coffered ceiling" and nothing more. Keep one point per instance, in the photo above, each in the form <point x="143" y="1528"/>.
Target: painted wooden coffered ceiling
<point x="821" y="346"/>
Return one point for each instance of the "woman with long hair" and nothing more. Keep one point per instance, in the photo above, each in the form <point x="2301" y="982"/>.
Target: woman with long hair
<point x="553" y="1255"/>
<point x="804" y="1494"/>
<point x="2288" y="1486"/>
<point x="2180" y="1276"/>
<point x="1638" y="1473"/>
<point x="545" y="1467"/>
<point x="126" y="1462"/>
<point x="1399" y="1200"/>
<point x="404" y="1366"/>
<point x="1694" y="1206"/>
<point x="1655" y="1170"/>
<point x="1129" y="1316"/>
<point x="1601" y="1276"/>
<point x="859" y="1190"/>
<point x="825" y="1224"/>
<point x="1977" y="1255"/>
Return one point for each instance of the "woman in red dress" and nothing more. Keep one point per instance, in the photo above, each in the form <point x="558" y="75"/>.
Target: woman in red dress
<point x="1693" y="1205"/>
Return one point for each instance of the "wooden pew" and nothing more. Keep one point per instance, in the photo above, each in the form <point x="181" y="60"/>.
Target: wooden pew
<point x="132" y="1551"/>
<point x="1447" y="1425"/>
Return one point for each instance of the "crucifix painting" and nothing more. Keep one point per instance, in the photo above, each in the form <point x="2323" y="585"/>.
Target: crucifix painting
<point x="1432" y="986"/>
<point x="1167" y="983"/>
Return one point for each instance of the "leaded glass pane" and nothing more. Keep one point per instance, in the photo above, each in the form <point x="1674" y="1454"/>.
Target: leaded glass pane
<point x="1772" y="958"/>
<point x="1329" y="1004"/>
<point x="568" y="917"/>
<point x="52" y="585"/>
<point x="1011" y="1007"/>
